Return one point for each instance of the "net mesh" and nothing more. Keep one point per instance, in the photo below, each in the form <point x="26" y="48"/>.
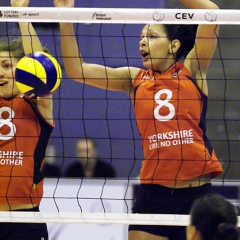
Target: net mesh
<point x="111" y="37"/>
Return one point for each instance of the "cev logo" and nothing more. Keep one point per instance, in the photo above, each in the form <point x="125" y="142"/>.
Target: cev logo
<point x="158" y="16"/>
<point x="184" y="15"/>
<point x="210" y="16"/>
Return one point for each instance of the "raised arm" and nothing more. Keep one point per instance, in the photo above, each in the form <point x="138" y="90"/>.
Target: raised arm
<point x="96" y="75"/>
<point x="30" y="40"/>
<point x="31" y="43"/>
<point x="201" y="55"/>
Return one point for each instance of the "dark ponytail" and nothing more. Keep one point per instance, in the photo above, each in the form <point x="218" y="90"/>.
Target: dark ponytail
<point x="226" y="231"/>
<point x="185" y="34"/>
<point x="215" y="218"/>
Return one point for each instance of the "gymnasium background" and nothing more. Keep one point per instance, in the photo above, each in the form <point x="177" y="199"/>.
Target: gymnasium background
<point x="107" y="116"/>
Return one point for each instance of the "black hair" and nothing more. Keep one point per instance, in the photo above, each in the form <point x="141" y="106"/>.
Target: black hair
<point x="185" y="34"/>
<point x="215" y="218"/>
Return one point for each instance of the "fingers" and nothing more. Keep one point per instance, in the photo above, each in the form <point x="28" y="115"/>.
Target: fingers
<point x="32" y="95"/>
<point x="64" y="3"/>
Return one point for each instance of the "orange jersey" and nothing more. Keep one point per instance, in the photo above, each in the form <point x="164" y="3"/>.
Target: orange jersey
<point x="24" y="136"/>
<point x="170" y="111"/>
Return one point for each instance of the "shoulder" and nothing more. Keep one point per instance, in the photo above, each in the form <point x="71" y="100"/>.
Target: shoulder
<point x="102" y="163"/>
<point x="106" y="167"/>
<point x="74" y="170"/>
<point x="74" y="165"/>
<point x="135" y="71"/>
<point x="140" y="74"/>
<point x="131" y="72"/>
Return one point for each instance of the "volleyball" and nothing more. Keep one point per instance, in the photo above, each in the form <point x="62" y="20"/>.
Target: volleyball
<point x="38" y="73"/>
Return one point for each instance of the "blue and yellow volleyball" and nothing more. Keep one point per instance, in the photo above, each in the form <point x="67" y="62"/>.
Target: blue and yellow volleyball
<point x="38" y="73"/>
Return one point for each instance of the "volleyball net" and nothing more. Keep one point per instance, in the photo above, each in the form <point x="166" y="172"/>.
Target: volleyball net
<point x="111" y="37"/>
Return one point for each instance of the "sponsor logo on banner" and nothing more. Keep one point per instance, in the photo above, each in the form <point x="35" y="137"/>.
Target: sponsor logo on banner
<point x="33" y="14"/>
<point x="184" y="16"/>
<point x="100" y="16"/>
<point x="10" y="14"/>
<point x="158" y="16"/>
<point x="17" y="14"/>
<point x="210" y="16"/>
<point x="175" y="74"/>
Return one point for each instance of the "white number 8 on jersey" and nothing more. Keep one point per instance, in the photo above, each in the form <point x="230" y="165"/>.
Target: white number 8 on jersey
<point x="165" y="103"/>
<point x="8" y="122"/>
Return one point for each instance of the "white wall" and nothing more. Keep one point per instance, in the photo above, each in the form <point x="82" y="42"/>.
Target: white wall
<point x="77" y="195"/>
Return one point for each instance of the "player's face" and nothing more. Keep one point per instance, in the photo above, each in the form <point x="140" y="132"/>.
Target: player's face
<point x="85" y="151"/>
<point x="8" y="88"/>
<point x="155" y="47"/>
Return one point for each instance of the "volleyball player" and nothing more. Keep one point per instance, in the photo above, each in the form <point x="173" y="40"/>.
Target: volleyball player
<point x="26" y="125"/>
<point x="212" y="217"/>
<point x="170" y="103"/>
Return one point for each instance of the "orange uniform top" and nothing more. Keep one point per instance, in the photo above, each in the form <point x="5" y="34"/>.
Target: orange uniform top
<point x="170" y="111"/>
<point x="24" y="136"/>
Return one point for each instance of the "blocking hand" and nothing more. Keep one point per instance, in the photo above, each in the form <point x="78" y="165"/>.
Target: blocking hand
<point x="64" y="3"/>
<point x="19" y="3"/>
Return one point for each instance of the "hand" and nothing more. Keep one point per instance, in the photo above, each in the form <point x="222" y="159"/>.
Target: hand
<point x="64" y="3"/>
<point x="19" y="3"/>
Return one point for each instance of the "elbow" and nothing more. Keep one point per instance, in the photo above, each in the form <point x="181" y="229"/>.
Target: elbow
<point x="73" y="76"/>
<point x="200" y="4"/>
<point x="73" y="73"/>
<point x="214" y="6"/>
<point x="68" y="72"/>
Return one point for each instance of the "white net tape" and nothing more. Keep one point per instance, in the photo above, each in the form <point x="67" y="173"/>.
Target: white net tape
<point x="118" y="15"/>
<point x="111" y="207"/>
<point x="96" y="218"/>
